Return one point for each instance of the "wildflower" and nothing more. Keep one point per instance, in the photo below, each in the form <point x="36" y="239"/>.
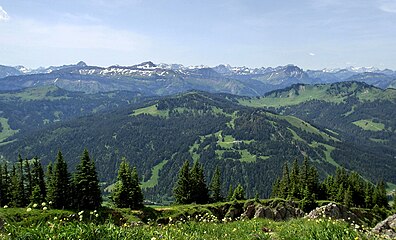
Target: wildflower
<point x="5" y="206"/>
<point x="43" y="204"/>
<point x="50" y="202"/>
<point x="45" y="208"/>
<point x="96" y="215"/>
<point x="91" y="213"/>
<point x="28" y="209"/>
<point x="80" y="213"/>
<point x="55" y="218"/>
<point x="35" y="205"/>
<point x="234" y="229"/>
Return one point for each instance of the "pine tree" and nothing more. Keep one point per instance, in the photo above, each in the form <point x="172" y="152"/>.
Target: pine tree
<point x="127" y="192"/>
<point x="86" y="184"/>
<point x="50" y="188"/>
<point x="230" y="193"/>
<point x="182" y="190"/>
<point x="368" y="196"/>
<point x="215" y="186"/>
<point x="379" y="197"/>
<point x="284" y="184"/>
<point x="21" y="199"/>
<point x="59" y="192"/>
<point x="295" y="183"/>
<point x="348" y="199"/>
<point x="5" y="186"/>
<point x="239" y="193"/>
<point x="199" y="190"/>
<point x="38" y="182"/>
<point x="29" y="184"/>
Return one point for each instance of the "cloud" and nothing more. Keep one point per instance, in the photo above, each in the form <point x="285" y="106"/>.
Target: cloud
<point x="72" y="36"/>
<point x="312" y="54"/>
<point x="388" y="6"/>
<point x="3" y="15"/>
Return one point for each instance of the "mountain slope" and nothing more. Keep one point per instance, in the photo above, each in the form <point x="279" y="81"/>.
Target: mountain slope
<point x="167" y="79"/>
<point x="249" y="145"/>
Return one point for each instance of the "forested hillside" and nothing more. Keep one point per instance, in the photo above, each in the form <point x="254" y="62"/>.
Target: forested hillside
<point x="249" y="145"/>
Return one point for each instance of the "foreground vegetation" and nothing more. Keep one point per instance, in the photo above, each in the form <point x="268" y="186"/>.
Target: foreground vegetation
<point x="57" y="224"/>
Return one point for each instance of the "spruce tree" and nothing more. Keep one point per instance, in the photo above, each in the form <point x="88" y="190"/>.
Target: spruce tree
<point x="86" y="184"/>
<point x="29" y="183"/>
<point x="230" y="193"/>
<point x="379" y="197"/>
<point x="348" y="199"/>
<point x="5" y="186"/>
<point x="215" y="186"/>
<point x="127" y="192"/>
<point x="59" y="193"/>
<point x="284" y="185"/>
<point x="21" y="199"/>
<point x="182" y="190"/>
<point x="239" y="193"/>
<point x="38" y="182"/>
<point x="199" y="190"/>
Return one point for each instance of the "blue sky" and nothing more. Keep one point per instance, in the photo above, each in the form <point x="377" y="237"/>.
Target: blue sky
<point x="312" y="34"/>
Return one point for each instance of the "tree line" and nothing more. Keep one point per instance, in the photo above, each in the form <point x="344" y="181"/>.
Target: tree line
<point x="191" y="186"/>
<point x="27" y="184"/>
<point x="301" y="182"/>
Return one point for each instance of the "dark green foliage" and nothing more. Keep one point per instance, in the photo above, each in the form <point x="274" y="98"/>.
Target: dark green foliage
<point x="379" y="197"/>
<point x="215" y="186"/>
<point x="230" y="193"/>
<point x="86" y="184"/>
<point x="239" y="193"/>
<point x="127" y="192"/>
<point x="182" y="190"/>
<point x="59" y="190"/>
<point x="199" y="190"/>
<point x="39" y="192"/>
<point x="191" y="185"/>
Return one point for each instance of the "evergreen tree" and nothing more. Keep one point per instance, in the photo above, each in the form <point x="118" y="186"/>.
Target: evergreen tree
<point x="38" y="182"/>
<point x="5" y="186"/>
<point x="379" y="197"/>
<point x="215" y="186"/>
<point x="50" y="188"/>
<point x="368" y="193"/>
<point x="86" y="184"/>
<point x="182" y="190"/>
<point x="348" y="199"/>
<point x="59" y="194"/>
<point x="21" y="199"/>
<point x="199" y="190"/>
<point x="230" y="193"/>
<point x="295" y="183"/>
<point x="29" y="183"/>
<point x="127" y="192"/>
<point x="239" y="193"/>
<point x="284" y="184"/>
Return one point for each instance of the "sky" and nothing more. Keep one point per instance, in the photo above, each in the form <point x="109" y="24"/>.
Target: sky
<point x="312" y="34"/>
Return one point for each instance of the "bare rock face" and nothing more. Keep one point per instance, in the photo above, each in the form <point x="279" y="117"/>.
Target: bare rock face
<point x="387" y="227"/>
<point x="334" y="211"/>
<point x="280" y="212"/>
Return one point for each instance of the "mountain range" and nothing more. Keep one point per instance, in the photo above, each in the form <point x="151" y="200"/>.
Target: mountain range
<point x="165" y="79"/>
<point x="348" y="124"/>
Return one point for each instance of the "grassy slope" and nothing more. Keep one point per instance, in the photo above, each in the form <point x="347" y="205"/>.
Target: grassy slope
<point x="31" y="94"/>
<point x="7" y="131"/>
<point x="118" y="224"/>
<point x="153" y="181"/>
<point x="369" y="125"/>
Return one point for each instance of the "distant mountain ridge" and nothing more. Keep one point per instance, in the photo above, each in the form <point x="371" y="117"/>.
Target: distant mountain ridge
<point x="166" y="79"/>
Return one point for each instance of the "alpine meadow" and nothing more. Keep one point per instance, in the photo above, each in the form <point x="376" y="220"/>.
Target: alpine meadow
<point x="125" y="146"/>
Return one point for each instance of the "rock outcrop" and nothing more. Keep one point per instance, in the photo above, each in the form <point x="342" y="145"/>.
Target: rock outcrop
<point x="281" y="211"/>
<point x="334" y="211"/>
<point x="387" y="227"/>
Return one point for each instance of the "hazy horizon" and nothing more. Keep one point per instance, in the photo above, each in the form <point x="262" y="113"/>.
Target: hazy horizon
<point x="311" y="34"/>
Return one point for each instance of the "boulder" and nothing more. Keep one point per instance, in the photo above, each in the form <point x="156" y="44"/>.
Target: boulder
<point x="334" y="211"/>
<point x="249" y="212"/>
<point x="387" y="227"/>
<point x="281" y="212"/>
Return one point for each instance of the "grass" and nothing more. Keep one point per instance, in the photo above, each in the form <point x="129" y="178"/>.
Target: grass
<point x="327" y="153"/>
<point x="7" y="131"/>
<point x="369" y="125"/>
<point x="33" y="94"/>
<point x="296" y="122"/>
<point x="204" y="227"/>
<point x="151" y="110"/>
<point x="153" y="181"/>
